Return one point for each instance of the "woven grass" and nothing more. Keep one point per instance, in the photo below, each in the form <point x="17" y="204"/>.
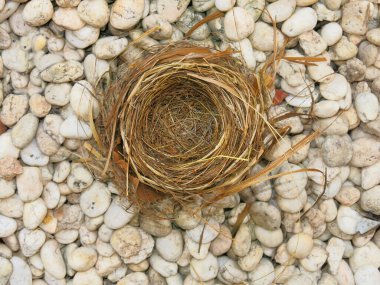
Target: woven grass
<point x="185" y="123"/>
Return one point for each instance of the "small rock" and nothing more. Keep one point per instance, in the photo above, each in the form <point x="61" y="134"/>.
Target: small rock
<point x="331" y="33"/>
<point x="31" y="155"/>
<point x="9" y="168"/>
<point x="170" y="247"/>
<point x="31" y="241"/>
<point x="370" y="200"/>
<point x="15" y="59"/>
<point x="68" y="18"/>
<point x="269" y="238"/>
<point x="263" y="273"/>
<point x="82" y="258"/>
<point x="366" y="152"/>
<point x="343" y="50"/>
<point x="79" y="179"/>
<point x="95" y="200"/>
<point x="52" y="259"/>
<point x="39" y="106"/>
<point x="38" y="12"/>
<point x="205" y="269"/>
<point x="373" y="36"/>
<point x="171" y="10"/>
<point x="13" y="108"/>
<point x="335" y="89"/>
<point x="279" y="11"/>
<point x="347" y="220"/>
<point x="34" y="213"/>
<point x="155" y="227"/>
<point x="300" y="245"/>
<point x="238" y="24"/>
<point x="126" y="241"/>
<point x="222" y="243"/>
<point x="347" y="195"/>
<point x="355" y="17"/>
<point x="6" y="269"/>
<point x="94" y="13"/>
<point x="335" y="249"/>
<point x="82" y="100"/>
<point x="290" y="185"/>
<point x="58" y="94"/>
<point x="369" y="176"/>
<point x="251" y="260"/>
<point x="163" y="267"/>
<point x="29" y="184"/>
<point x="337" y="150"/>
<point x="89" y="277"/>
<point x="117" y="215"/>
<point x="21" y="273"/>
<point x="139" y="278"/>
<point x="367" y="275"/>
<point x="24" y="130"/>
<point x="63" y="72"/>
<point x="8" y="187"/>
<point x="312" y="43"/>
<point x="83" y="37"/>
<point x="8" y="226"/>
<point x="73" y="128"/>
<point x="368" y="254"/>
<point x="165" y="31"/>
<point x="367" y="106"/>
<point x="147" y="245"/>
<point x="241" y="243"/>
<point x="204" y="232"/>
<point x="265" y="215"/>
<point x="126" y="13"/>
<point x="303" y="20"/>
<point x="262" y="37"/>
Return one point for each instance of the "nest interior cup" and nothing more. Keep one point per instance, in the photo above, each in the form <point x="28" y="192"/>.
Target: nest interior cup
<point x="184" y="120"/>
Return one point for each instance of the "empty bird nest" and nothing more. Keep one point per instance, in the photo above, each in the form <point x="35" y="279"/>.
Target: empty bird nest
<point x="185" y="123"/>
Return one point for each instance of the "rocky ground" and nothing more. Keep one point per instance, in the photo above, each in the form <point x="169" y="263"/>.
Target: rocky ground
<point x="60" y="226"/>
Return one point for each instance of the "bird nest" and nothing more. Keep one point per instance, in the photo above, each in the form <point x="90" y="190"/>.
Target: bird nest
<point x="184" y="123"/>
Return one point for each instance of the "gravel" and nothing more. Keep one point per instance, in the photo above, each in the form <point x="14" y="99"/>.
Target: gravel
<point x="58" y="225"/>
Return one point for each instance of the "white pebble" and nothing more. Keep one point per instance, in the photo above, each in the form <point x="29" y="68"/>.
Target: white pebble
<point x="331" y="33"/>
<point x="38" y="12"/>
<point x="126" y="13"/>
<point x="29" y="184"/>
<point x="238" y="24"/>
<point x="367" y="106"/>
<point x="7" y="226"/>
<point x="52" y="259"/>
<point x="205" y="269"/>
<point x="34" y="213"/>
<point x="95" y="200"/>
<point x="303" y="20"/>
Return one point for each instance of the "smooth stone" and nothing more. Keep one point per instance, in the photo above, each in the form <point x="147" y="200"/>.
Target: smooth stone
<point x="263" y="273"/>
<point x="8" y="226"/>
<point x="66" y="236"/>
<point x="126" y="13"/>
<point x="262" y="37"/>
<point x="205" y="269"/>
<point x="21" y="274"/>
<point x="170" y="247"/>
<point x="336" y="150"/>
<point x="63" y="72"/>
<point x="269" y="238"/>
<point x="265" y="215"/>
<point x="126" y="241"/>
<point x="303" y="20"/>
<point x="6" y="269"/>
<point x="58" y="94"/>
<point x="204" y="233"/>
<point x="367" y="106"/>
<point x="229" y="270"/>
<point x="146" y="249"/>
<point x="31" y="241"/>
<point x="300" y="245"/>
<point x="34" y="213"/>
<point x="369" y="176"/>
<point x="335" y="89"/>
<point x="366" y="152"/>
<point x="82" y="258"/>
<point x="83" y="102"/>
<point x="163" y="267"/>
<point x="171" y="10"/>
<point x="165" y="31"/>
<point x="117" y="216"/>
<point x="83" y="37"/>
<point x="89" y="277"/>
<point x="12" y="207"/>
<point x="238" y="24"/>
<point x="31" y="155"/>
<point x="79" y="179"/>
<point x="73" y="128"/>
<point x="38" y="12"/>
<point x="370" y="200"/>
<point x="24" y="131"/>
<point x="109" y="47"/>
<point x="51" y="195"/>
<point x="155" y="227"/>
<point x="8" y="188"/>
<point x="365" y="255"/>
<point x="29" y="184"/>
<point x="331" y="33"/>
<point x="242" y="241"/>
<point x="13" y="108"/>
<point x="291" y="185"/>
<point x="61" y="171"/>
<point x="347" y="220"/>
<point x="138" y="278"/>
<point x="279" y="11"/>
<point x="52" y="259"/>
<point x="94" y="12"/>
<point x="367" y="275"/>
<point x="68" y="18"/>
<point x="222" y="243"/>
<point x="95" y="200"/>
<point x="15" y="59"/>
<point x="312" y="43"/>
